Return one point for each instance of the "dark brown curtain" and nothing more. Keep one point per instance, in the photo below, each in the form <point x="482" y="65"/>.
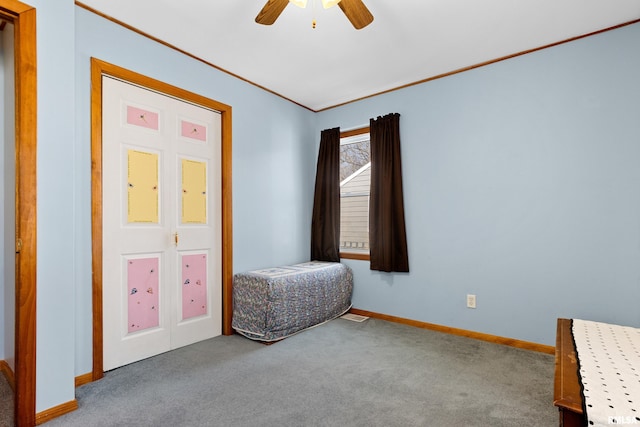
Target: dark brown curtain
<point x="387" y="234"/>
<point x="325" y="221"/>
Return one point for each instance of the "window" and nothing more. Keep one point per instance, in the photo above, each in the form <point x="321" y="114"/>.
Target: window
<point x="355" y="184"/>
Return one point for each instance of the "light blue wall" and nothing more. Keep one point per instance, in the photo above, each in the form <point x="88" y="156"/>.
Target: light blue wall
<point x="57" y="179"/>
<point x="522" y="186"/>
<point x="273" y="156"/>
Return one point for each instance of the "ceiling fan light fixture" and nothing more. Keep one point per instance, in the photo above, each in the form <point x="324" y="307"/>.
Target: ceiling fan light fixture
<point x="355" y="11"/>
<point x="329" y="3"/>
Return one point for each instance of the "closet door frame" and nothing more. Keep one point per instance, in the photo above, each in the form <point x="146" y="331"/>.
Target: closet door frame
<point x="98" y="69"/>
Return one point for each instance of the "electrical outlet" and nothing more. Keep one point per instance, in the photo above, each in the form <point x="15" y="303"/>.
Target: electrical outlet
<point x="471" y="301"/>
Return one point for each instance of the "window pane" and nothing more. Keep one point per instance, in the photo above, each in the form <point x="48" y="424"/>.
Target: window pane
<point x="353" y="155"/>
<point x="355" y="179"/>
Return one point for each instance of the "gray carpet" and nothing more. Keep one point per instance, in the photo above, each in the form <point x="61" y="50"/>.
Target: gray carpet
<point x="342" y="373"/>
<point x="6" y="403"/>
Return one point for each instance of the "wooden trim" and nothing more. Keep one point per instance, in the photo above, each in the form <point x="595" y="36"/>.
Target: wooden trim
<point x="56" y="411"/>
<point x="6" y="370"/>
<point x="23" y="18"/>
<point x="98" y="69"/>
<point x="84" y="379"/>
<point x="567" y="393"/>
<point x="353" y="255"/>
<point x="12" y="9"/>
<point x="96" y="217"/>
<point x="354" y="132"/>
<point x="511" y="342"/>
<point x="227" y="223"/>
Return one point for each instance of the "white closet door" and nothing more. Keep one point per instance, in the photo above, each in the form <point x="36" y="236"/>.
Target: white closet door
<point x="161" y="223"/>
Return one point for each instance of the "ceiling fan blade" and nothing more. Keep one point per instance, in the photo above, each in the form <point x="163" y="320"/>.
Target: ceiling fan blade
<point x="357" y="13"/>
<point x="270" y="12"/>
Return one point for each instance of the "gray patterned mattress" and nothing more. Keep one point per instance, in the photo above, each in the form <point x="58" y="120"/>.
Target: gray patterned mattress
<point x="274" y="303"/>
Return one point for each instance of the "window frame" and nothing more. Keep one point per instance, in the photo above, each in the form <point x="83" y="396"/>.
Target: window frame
<point x="354" y="255"/>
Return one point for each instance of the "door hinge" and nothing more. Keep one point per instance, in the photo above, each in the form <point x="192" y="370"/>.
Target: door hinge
<point x="18" y="245"/>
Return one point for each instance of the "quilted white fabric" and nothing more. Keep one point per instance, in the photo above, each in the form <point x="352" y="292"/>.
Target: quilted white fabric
<point x="609" y="360"/>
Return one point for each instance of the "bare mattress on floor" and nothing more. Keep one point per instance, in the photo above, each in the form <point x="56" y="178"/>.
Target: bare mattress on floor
<point x="274" y="303"/>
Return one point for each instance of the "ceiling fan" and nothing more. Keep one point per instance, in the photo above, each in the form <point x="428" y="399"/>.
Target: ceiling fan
<point x="355" y="11"/>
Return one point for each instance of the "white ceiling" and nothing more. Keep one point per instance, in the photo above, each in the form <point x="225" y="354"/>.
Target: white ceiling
<point x="408" y="41"/>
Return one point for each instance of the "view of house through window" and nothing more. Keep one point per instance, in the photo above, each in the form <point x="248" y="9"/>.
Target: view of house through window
<point x="355" y="179"/>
